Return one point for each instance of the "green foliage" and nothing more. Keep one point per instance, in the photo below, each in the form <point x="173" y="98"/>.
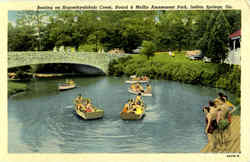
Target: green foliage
<point x="87" y="48"/>
<point x="148" y="49"/>
<point x="163" y="66"/>
<point x="169" y="30"/>
<point x="14" y="87"/>
<point x="214" y="42"/>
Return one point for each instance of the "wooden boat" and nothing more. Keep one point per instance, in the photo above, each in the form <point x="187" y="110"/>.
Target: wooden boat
<point x="132" y="115"/>
<point x="64" y="87"/>
<point x="136" y="93"/>
<point x="99" y="113"/>
<point x="136" y="81"/>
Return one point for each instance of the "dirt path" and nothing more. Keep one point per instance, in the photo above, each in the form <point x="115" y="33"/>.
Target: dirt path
<point x="231" y="144"/>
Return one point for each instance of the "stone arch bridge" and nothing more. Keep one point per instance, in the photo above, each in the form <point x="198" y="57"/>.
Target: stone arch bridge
<point x="97" y="60"/>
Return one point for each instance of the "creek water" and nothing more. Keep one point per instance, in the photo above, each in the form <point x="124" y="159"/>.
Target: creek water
<point x="43" y="119"/>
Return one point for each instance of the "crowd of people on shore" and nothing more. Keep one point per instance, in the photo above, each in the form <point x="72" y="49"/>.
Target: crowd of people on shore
<point x="218" y="117"/>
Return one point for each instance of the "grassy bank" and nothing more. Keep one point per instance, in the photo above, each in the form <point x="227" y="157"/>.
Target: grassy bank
<point x="14" y="87"/>
<point x="180" y="68"/>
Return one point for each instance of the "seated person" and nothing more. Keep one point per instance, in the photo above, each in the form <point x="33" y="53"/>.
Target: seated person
<point x="126" y="106"/>
<point x="138" y="110"/>
<point x="133" y="87"/>
<point x="79" y="99"/>
<point x="139" y="88"/>
<point x="89" y="107"/>
<point x="138" y="99"/>
<point x="145" y="78"/>
<point x="148" y="89"/>
<point x="71" y="82"/>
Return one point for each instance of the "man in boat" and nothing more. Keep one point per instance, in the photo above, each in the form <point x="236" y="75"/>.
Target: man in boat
<point x="148" y="89"/>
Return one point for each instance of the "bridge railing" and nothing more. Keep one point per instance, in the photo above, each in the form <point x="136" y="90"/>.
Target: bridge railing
<point x="34" y="57"/>
<point x="64" y="54"/>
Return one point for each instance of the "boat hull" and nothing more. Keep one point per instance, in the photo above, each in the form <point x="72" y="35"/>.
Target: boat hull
<point x="136" y="81"/>
<point x="131" y="116"/>
<point x="66" y="87"/>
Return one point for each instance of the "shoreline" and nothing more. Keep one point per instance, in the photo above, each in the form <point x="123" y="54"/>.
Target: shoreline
<point x="15" y="88"/>
<point x="231" y="145"/>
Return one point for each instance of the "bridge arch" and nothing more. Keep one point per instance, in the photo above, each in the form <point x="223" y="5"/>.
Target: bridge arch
<point x="98" y="60"/>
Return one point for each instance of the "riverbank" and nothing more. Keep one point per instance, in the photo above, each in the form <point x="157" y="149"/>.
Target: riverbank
<point x="14" y="87"/>
<point x="232" y="144"/>
<point x="180" y="68"/>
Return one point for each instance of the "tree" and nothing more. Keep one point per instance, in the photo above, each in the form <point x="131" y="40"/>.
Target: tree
<point x="214" y="43"/>
<point x="148" y="49"/>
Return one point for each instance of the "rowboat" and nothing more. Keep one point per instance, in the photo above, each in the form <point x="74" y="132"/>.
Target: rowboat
<point x="64" y="87"/>
<point x="132" y="115"/>
<point x="136" y="81"/>
<point x="136" y="93"/>
<point x="97" y="114"/>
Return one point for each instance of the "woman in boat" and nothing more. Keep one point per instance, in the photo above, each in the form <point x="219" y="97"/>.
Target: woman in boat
<point x="89" y="106"/>
<point x="148" y="89"/>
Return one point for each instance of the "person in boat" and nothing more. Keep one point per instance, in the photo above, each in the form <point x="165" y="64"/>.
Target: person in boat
<point x="139" y="87"/>
<point x="89" y="106"/>
<point x="145" y="78"/>
<point x="148" y="89"/>
<point x="133" y="87"/>
<point x="71" y="82"/>
<point x="138" y="110"/>
<point x="127" y="106"/>
<point x="79" y="102"/>
<point x="138" y="99"/>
